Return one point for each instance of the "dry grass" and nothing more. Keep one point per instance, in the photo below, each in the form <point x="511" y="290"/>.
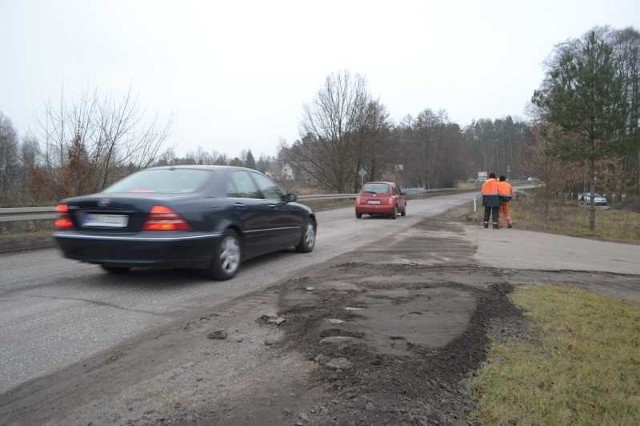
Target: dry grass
<point x="582" y="367"/>
<point x="25" y="241"/>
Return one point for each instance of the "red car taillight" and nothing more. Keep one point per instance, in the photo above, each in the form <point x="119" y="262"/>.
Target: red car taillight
<point x="63" y="221"/>
<point x="162" y="218"/>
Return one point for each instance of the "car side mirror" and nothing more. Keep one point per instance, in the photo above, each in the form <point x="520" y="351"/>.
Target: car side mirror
<point x="290" y="198"/>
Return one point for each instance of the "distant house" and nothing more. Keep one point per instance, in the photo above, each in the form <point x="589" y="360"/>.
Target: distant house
<point x="281" y="171"/>
<point x="287" y="172"/>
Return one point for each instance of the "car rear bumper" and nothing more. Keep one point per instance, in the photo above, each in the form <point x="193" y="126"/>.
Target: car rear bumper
<point x="374" y="208"/>
<point x="147" y="249"/>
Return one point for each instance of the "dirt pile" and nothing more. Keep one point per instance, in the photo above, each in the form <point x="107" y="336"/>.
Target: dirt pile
<point x="408" y="347"/>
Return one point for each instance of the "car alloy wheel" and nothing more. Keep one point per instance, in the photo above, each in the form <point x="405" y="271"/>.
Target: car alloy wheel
<point x="230" y="255"/>
<point x="227" y="256"/>
<point x="308" y="238"/>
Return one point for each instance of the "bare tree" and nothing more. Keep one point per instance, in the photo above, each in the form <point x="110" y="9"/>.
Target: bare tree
<point x="330" y="129"/>
<point x="626" y="49"/>
<point x="95" y="140"/>
<point x="9" y="159"/>
<point x="432" y="150"/>
<point x="430" y="128"/>
<point x="167" y="158"/>
<point x="370" y="145"/>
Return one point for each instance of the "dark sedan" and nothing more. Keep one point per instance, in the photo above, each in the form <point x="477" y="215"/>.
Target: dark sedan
<point x="203" y="217"/>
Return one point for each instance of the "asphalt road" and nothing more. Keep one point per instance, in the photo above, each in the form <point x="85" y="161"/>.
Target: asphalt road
<point x="517" y="249"/>
<point x="56" y="312"/>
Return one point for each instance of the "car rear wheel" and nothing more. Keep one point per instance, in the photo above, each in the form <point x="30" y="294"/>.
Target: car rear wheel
<point x="308" y="237"/>
<point x="404" y="211"/>
<point x="358" y="215"/>
<point x="226" y="257"/>
<point x="115" y="269"/>
<point x="394" y="215"/>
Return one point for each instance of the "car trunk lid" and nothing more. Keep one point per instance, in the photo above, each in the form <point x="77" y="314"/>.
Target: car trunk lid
<point x="115" y="213"/>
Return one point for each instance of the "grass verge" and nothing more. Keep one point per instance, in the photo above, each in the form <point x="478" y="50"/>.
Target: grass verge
<point x="582" y="365"/>
<point x="25" y="235"/>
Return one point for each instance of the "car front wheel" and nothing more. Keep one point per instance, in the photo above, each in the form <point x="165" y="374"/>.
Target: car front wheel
<point x="308" y="237"/>
<point x="226" y="257"/>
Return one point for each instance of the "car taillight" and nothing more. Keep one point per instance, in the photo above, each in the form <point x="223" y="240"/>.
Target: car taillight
<point x="390" y="200"/>
<point x="162" y="218"/>
<point x="63" y="221"/>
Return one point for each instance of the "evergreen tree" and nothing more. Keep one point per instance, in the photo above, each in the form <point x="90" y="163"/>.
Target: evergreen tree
<point x="582" y="95"/>
<point x="250" y="161"/>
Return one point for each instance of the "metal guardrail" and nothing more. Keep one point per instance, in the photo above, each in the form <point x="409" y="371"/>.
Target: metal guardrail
<point x="326" y="197"/>
<point x="17" y="214"/>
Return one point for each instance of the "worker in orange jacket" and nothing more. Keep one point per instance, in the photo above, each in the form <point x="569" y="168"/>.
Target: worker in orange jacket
<point x="490" y="201"/>
<point x="505" y="193"/>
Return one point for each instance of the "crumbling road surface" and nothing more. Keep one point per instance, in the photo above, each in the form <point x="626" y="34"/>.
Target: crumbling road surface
<point x="389" y="334"/>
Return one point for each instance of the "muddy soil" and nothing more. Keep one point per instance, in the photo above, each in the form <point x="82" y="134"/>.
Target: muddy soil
<point x="390" y="334"/>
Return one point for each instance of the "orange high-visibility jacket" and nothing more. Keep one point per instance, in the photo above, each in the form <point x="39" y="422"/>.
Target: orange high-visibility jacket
<point x="489" y="193"/>
<point x="505" y="190"/>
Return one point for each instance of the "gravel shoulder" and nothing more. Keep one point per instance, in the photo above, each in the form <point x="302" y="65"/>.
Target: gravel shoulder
<point x="388" y="334"/>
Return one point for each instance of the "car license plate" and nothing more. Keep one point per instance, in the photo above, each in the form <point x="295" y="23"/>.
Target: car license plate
<point x="106" y="220"/>
<point x="374" y="201"/>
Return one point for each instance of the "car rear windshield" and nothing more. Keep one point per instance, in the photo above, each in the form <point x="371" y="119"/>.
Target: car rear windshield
<point x="376" y="188"/>
<point x="163" y="181"/>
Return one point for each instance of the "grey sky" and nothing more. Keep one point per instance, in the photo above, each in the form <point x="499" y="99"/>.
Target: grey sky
<point x="235" y="74"/>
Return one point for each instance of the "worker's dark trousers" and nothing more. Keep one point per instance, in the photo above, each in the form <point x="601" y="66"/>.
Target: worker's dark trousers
<point x="491" y="212"/>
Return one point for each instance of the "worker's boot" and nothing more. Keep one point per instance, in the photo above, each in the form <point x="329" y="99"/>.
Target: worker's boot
<point x="496" y="225"/>
<point x="509" y="226"/>
<point x="486" y="225"/>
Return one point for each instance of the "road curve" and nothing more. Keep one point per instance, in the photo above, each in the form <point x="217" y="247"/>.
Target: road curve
<point x="55" y="312"/>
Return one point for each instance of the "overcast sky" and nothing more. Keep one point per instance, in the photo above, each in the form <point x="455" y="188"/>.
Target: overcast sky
<point x="234" y="75"/>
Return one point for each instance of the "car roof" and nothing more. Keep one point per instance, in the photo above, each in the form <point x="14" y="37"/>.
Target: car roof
<point x="380" y="181"/>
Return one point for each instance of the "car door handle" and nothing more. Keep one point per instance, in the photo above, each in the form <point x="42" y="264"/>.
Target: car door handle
<point x="239" y="206"/>
<point x="273" y="206"/>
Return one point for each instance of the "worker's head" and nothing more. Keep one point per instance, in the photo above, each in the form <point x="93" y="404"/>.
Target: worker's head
<point x="492" y="175"/>
<point x="502" y="178"/>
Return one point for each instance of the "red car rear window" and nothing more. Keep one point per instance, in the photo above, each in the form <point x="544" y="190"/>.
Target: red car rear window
<point x="376" y="188"/>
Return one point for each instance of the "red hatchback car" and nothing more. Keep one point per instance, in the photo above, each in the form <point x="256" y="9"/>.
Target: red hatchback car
<point x="383" y="198"/>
